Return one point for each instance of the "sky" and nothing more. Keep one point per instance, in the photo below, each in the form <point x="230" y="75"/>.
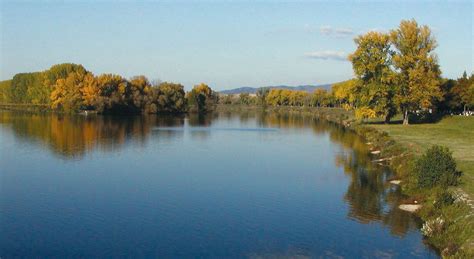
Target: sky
<point x="225" y="44"/>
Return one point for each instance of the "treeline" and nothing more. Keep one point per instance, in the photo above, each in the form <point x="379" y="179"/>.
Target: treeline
<point x="283" y="97"/>
<point x="456" y="96"/>
<point x="71" y="88"/>
<point x="395" y="72"/>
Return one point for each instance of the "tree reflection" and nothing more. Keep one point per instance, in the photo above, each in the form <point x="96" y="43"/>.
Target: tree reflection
<point x="74" y="136"/>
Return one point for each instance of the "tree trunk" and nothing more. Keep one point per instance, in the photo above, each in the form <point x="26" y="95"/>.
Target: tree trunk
<point x="405" y="117"/>
<point x="387" y="119"/>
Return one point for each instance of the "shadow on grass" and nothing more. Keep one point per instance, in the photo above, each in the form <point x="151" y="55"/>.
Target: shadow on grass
<point x="413" y="119"/>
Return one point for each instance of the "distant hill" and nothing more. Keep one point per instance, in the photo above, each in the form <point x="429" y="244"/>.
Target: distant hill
<point x="252" y="90"/>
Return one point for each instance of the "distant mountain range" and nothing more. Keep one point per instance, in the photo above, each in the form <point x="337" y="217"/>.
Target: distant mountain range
<point x="252" y="90"/>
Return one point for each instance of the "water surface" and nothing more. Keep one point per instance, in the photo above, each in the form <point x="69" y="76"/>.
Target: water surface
<point x="222" y="185"/>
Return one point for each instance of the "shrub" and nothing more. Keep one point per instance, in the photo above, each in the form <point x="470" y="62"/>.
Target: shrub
<point x="436" y="167"/>
<point x="445" y="198"/>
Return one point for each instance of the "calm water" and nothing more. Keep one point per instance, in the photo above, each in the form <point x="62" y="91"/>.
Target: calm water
<point x="226" y="185"/>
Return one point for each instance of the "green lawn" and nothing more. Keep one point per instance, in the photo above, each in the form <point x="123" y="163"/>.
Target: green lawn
<point x="455" y="132"/>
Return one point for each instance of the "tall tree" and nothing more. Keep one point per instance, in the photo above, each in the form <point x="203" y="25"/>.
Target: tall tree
<point x="418" y="74"/>
<point x="374" y="86"/>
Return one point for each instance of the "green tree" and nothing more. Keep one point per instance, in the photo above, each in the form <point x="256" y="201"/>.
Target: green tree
<point x="5" y="91"/>
<point x="244" y="98"/>
<point x="21" y="85"/>
<point x="463" y="91"/>
<point x="418" y="74"/>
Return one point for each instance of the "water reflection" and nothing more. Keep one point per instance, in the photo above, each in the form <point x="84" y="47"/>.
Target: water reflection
<point x="369" y="198"/>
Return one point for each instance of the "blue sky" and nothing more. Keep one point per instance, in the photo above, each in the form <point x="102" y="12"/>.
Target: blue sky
<point x="225" y="44"/>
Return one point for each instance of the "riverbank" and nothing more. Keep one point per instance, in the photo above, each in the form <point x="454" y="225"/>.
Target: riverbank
<point x="398" y="147"/>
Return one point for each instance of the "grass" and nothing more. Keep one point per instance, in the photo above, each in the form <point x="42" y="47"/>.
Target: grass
<point x="454" y="132"/>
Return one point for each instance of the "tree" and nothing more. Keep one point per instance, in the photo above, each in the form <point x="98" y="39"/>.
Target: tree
<point x="418" y="74"/>
<point x="67" y="93"/>
<point x="319" y="97"/>
<point x="244" y="98"/>
<point x="374" y="86"/>
<point x="139" y="92"/>
<point x="90" y="91"/>
<point x="202" y="98"/>
<point x="5" y="87"/>
<point x="112" y="94"/>
<point x="463" y="91"/>
<point x="344" y="94"/>
<point x="48" y="78"/>
<point x="262" y="93"/>
<point x="171" y="97"/>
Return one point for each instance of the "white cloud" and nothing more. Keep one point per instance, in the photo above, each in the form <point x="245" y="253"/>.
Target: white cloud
<point x="336" y="32"/>
<point x="326" y="30"/>
<point x="343" y="31"/>
<point x="327" y="55"/>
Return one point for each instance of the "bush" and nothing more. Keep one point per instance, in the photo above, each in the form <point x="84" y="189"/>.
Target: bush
<point x="444" y="198"/>
<point x="436" y="167"/>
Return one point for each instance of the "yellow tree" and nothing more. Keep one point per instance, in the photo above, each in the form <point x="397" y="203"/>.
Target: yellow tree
<point x="202" y="97"/>
<point x="418" y="74"/>
<point x="319" y="97"/>
<point x="344" y="94"/>
<point x="67" y="94"/>
<point x="90" y="91"/>
<point x="371" y="63"/>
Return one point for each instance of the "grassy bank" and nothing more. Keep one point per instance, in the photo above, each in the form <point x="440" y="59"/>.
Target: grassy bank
<point x="401" y="145"/>
<point x="454" y="132"/>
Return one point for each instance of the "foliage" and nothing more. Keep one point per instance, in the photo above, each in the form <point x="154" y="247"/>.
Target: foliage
<point x="245" y="99"/>
<point x="202" y="98"/>
<point x="374" y="89"/>
<point x="262" y="95"/>
<point x="365" y="113"/>
<point x="436" y="167"/>
<point x="343" y="93"/>
<point x="418" y="74"/>
<point x="320" y="98"/>
<point x="5" y="87"/>
<point x="463" y="92"/>
<point x="67" y="92"/>
<point x="170" y="97"/>
<point x="444" y="198"/>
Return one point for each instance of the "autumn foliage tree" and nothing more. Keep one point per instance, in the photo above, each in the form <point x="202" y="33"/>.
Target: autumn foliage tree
<point x="373" y="89"/>
<point x="202" y="98"/>
<point x="417" y="71"/>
